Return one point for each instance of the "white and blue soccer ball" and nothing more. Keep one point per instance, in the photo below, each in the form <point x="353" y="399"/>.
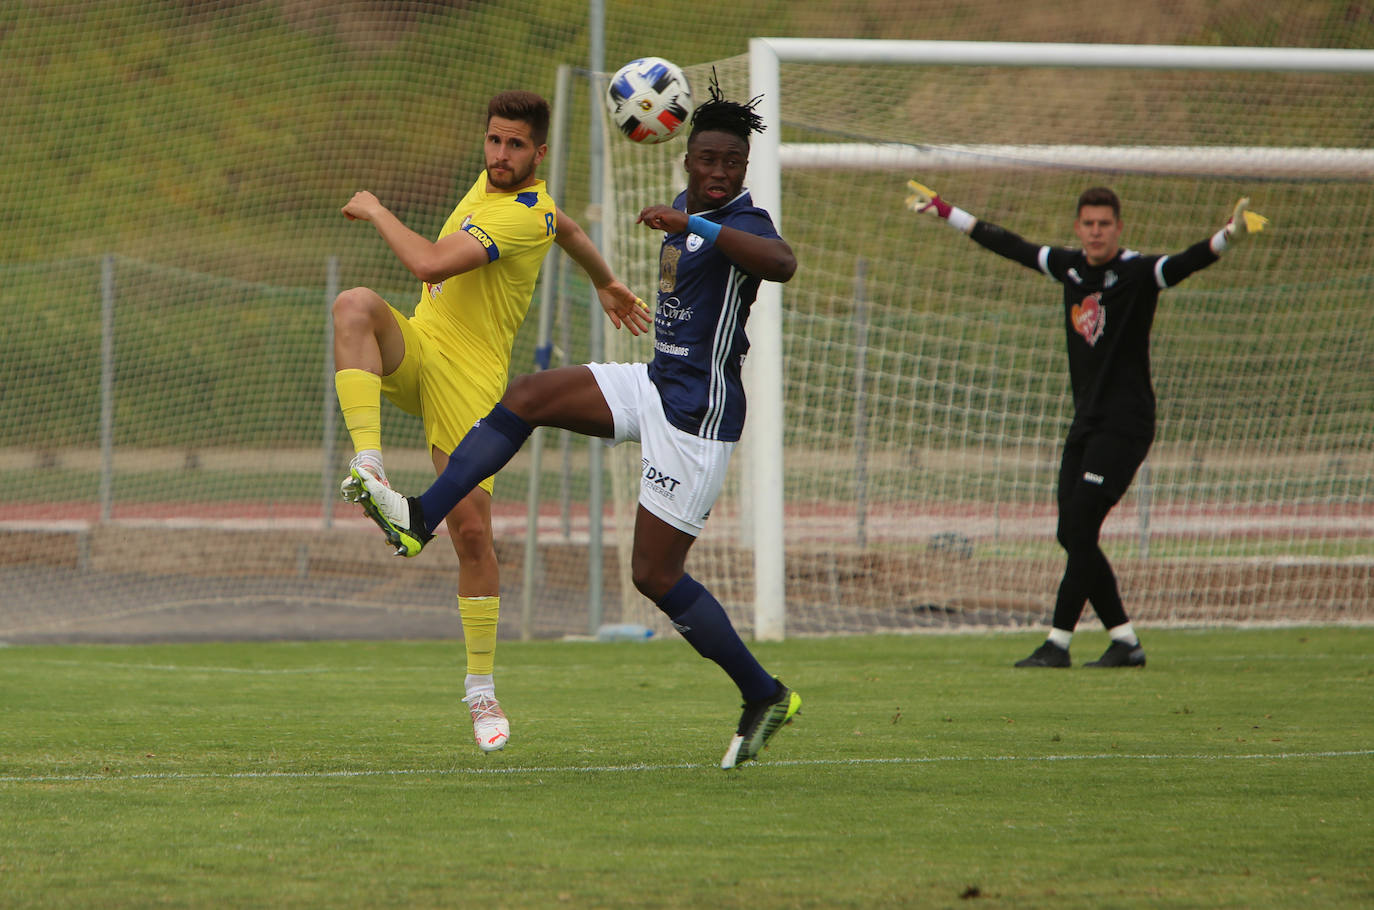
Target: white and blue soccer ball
<point x="650" y="99"/>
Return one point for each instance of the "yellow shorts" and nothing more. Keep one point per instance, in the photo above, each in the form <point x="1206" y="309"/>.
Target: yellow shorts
<point x="441" y="388"/>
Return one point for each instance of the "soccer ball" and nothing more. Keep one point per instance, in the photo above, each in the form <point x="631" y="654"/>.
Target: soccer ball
<point x="649" y="99"/>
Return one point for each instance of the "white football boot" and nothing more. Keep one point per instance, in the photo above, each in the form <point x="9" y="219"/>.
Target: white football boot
<point x="490" y="728"/>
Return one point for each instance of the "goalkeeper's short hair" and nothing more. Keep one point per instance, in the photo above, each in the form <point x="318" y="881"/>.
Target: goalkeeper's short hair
<point x="1100" y="195"/>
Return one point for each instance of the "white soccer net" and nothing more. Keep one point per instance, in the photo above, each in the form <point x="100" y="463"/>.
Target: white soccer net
<point x="166" y="413"/>
<point x="926" y="390"/>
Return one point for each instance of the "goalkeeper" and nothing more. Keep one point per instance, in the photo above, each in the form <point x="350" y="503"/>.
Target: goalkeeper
<point x="1110" y="296"/>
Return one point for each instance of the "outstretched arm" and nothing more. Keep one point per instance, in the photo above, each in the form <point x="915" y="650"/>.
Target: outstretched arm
<point x="999" y="240"/>
<point x="428" y="261"/>
<point x="621" y="305"/>
<point x="769" y="258"/>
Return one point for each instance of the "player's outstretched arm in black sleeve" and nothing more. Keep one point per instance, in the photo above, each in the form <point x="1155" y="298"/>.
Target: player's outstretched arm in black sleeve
<point x="1005" y="243"/>
<point x="990" y="236"/>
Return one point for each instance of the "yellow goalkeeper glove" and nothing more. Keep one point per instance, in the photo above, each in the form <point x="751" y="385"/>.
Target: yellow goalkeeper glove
<point x="924" y="199"/>
<point x="1243" y="221"/>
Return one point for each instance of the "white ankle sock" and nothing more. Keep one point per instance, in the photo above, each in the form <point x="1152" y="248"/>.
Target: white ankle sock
<point x="479" y="684"/>
<point x="1124" y="634"/>
<point x="1061" y="638"/>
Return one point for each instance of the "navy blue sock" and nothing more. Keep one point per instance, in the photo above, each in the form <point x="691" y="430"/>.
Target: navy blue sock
<point x="485" y="449"/>
<point x="702" y="621"/>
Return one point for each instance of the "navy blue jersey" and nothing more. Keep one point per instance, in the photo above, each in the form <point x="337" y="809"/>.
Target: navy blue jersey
<point x="1108" y="312"/>
<point x="699" y="338"/>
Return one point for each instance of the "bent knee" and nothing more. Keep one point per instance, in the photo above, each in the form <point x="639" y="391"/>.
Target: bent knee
<point x="1078" y="532"/>
<point x="1076" y="539"/>
<point x="645" y="583"/>
<point x="653" y="581"/>
<point x="522" y="395"/>
<point x="357" y="306"/>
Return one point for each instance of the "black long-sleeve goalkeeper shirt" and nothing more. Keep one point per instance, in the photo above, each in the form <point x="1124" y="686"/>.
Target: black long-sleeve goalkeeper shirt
<point x="1108" y="312"/>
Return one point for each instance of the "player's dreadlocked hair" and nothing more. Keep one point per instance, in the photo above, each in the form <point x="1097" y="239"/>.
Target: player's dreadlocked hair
<point x="726" y="116"/>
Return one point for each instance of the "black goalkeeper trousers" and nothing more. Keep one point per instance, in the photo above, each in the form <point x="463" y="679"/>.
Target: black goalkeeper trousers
<point x="1095" y="472"/>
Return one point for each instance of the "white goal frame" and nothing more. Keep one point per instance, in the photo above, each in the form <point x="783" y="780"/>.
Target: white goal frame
<point x="768" y="155"/>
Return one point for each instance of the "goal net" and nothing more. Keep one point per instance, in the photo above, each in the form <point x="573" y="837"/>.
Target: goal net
<point x="923" y="386"/>
<point x="166" y="396"/>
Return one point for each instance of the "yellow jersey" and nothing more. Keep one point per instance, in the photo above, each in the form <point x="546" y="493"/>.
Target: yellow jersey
<point x="474" y="316"/>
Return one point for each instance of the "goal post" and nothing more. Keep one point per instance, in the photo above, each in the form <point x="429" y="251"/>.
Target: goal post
<point x="770" y="156"/>
<point x="1023" y="53"/>
<point x="763" y="370"/>
<point x="908" y="392"/>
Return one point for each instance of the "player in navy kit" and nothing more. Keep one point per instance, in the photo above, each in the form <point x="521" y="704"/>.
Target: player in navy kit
<point x="685" y="408"/>
<point x="1110" y="296"/>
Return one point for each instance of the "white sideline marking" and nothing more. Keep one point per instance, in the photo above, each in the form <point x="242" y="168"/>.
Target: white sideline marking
<point x="685" y="766"/>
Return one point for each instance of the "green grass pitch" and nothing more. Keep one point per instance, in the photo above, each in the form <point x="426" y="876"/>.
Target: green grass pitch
<point x="924" y="771"/>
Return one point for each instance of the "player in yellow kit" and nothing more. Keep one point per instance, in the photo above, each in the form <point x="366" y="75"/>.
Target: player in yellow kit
<point x="449" y="363"/>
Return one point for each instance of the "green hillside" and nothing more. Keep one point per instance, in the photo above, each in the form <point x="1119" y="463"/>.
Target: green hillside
<point x="208" y="145"/>
<point x="223" y="136"/>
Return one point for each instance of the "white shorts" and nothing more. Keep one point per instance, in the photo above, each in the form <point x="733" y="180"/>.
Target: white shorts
<point x="681" y="474"/>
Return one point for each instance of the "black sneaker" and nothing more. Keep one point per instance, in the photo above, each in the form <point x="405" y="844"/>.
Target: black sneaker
<point x="1120" y="654"/>
<point x="757" y="724"/>
<point x="1047" y="655"/>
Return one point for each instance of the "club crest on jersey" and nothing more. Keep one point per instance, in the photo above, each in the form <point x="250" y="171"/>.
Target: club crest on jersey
<point x="667" y="268"/>
<point x="1089" y="318"/>
<point x="694" y="242"/>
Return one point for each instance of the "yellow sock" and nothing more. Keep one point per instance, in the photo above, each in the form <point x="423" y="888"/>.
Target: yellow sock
<point x="479" y="632"/>
<point x="360" y="399"/>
